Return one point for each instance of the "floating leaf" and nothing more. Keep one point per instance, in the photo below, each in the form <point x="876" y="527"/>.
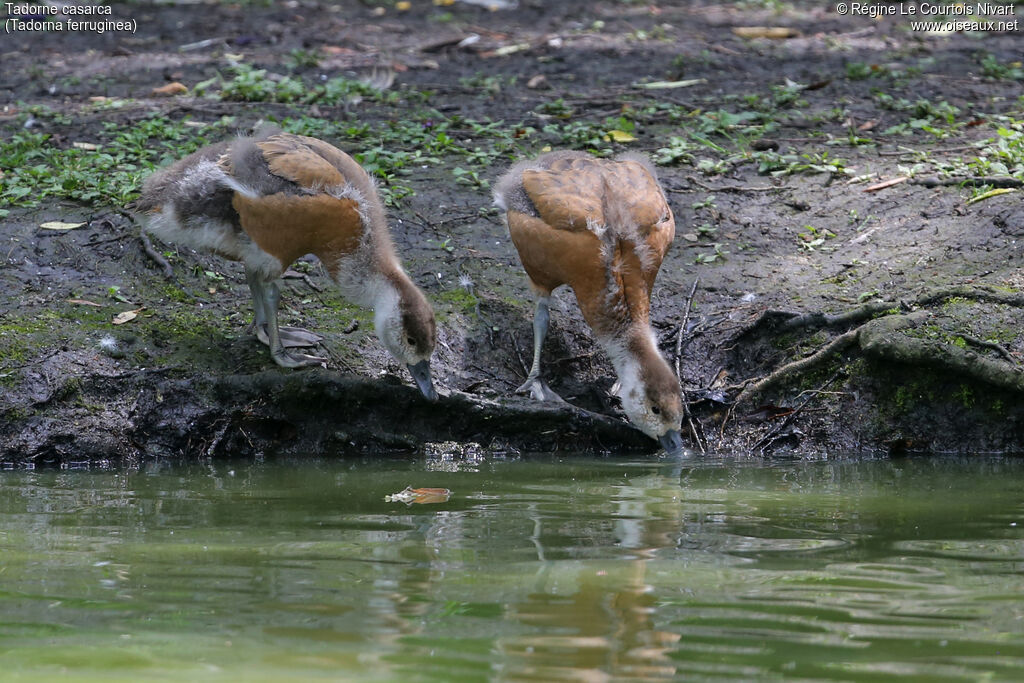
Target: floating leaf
<point x="126" y="316"/>
<point x="991" y="193"/>
<point x="420" y="496"/>
<point x="59" y="225"/>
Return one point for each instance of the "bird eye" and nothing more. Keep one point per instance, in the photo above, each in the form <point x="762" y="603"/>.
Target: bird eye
<point x="656" y="410"/>
<point x="412" y="342"/>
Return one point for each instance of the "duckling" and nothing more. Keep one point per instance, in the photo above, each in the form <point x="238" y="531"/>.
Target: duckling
<point x="270" y="199"/>
<point x="602" y="227"/>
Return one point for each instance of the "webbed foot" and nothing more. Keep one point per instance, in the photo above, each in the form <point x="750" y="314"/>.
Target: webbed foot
<point x="291" y="337"/>
<point x="539" y="390"/>
<point x="290" y="359"/>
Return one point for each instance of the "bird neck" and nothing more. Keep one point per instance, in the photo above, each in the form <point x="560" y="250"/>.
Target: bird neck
<point x="635" y="357"/>
<point x="387" y="292"/>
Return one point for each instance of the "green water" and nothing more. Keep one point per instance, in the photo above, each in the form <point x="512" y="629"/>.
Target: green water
<point x="536" y="568"/>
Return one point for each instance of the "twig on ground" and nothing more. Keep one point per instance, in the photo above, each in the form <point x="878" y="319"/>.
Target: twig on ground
<point x="907" y="150"/>
<point x="682" y="326"/>
<point x="515" y="345"/>
<point x="156" y="256"/>
<point x="994" y="181"/>
<point x="678" y="354"/>
<point x="885" y="183"/>
<point x="310" y="283"/>
<point x="766" y="440"/>
<point x="728" y="188"/>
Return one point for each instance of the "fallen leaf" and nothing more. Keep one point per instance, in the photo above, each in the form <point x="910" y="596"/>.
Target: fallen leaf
<point x="991" y="193"/>
<point x="509" y="49"/>
<point x="538" y="81"/>
<point x="619" y="136"/>
<point x="170" y="89"/>
<point x="85" y="302"/>
<point x="403" y="5"/>
<point x="59" y="225"/>
<point x="126" y="316"/>
<point x="87" y="146"/>
<point x="690" y="237"/>
<point x="337" y="50"/>
<point x="772" y="32"/>
<point x="98" y="98"/>
<point x="668" y="85"/>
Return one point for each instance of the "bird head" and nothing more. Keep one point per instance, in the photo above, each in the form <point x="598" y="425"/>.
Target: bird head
<point x="406" y="327"/>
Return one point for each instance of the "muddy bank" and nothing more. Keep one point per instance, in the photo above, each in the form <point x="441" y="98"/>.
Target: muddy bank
<point x="766" y="155"/>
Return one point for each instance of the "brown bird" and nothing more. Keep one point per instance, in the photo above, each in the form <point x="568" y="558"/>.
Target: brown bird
<point x="272" y="198"/>
<point x="602" y="227"/>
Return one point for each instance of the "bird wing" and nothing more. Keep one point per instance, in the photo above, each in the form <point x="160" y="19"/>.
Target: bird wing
<point x="288" y="226"/>
<point x="645" y="219"/>
<point x="615" y="200"/>
<point x="295" y="158"/>
<point x="566" y="199"/>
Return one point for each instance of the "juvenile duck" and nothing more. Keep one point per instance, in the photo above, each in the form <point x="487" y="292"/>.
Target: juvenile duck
<point x="602" y="227"/>
<point x="270" y="199"/>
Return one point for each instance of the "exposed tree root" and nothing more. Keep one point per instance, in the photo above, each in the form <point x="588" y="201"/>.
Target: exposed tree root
<point x="837" y="345"/>
<point x="886" y="338"/>
<point x="785" y="321"/>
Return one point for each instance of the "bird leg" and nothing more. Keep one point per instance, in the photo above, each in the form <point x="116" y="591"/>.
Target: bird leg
<point x="291" y="337"/>
<point x="265" y="297"/>
<point x="537" y="388"/>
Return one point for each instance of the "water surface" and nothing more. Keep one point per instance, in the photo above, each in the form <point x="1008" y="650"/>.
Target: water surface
<point x="536" y="568"/>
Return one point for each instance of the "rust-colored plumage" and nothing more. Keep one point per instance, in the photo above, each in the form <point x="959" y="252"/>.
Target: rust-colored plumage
<point x="271" y="199"/>
<point x="602" y="227"/>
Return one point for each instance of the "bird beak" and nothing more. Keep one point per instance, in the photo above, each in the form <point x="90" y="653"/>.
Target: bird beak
<point x="421" y="375"/>
<point x="672" y="442"/>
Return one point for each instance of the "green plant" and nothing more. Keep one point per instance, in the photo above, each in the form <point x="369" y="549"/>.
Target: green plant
<point x="707" y="202"/>
<point x="468" y="177"/>
<point x="718" y="254"/>
<point x="679" y="150"/>
<point x="299" y="58"/>
<point x="811" y="238"/>
<point x="992" y="68"/>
